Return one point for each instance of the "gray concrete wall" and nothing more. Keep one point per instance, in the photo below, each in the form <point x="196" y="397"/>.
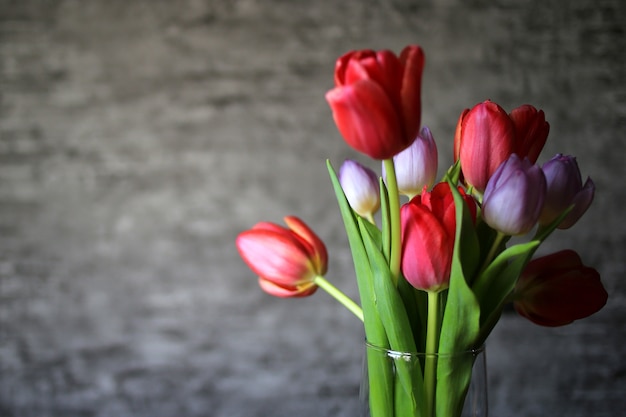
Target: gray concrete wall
<point x="138" y="137"/>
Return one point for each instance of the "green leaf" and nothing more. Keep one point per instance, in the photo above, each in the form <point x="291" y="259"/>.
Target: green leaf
<point x="453" y="174"/>
<point x="499" y="273"/>
<point x="487" y="238"/>
<point x="385" y="220"/>
<point x="502" y="283"/>
<point x="543" y="233"/>
<point x="416" y="303"/>
<point x="374" y="233"/>
<point x="461" y="304"/>
<point x="461" y="319"/>
<point x="497" y="281"/>
<point x="379" y="374"/>
<point x="373" y="327"/>
<point x="397" y="326"/>
<point x="388" y="300"/>
<point x="454" y="373"/>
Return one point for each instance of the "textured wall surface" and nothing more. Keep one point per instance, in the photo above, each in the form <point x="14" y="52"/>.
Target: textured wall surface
<point x="138" y="137"/>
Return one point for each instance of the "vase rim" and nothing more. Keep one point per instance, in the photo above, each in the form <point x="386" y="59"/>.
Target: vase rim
<point x="395" y="353"/>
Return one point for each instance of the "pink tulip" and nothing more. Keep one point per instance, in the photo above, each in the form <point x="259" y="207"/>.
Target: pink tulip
<point x="557" y="289"/>
<point x="287" y="260"/>
<point x="565" y="188"/>
<point x="376" y="102"/>
<point x="514" y="197"/>
<point x="428" y="232"/>
<point x="484" y="139"/>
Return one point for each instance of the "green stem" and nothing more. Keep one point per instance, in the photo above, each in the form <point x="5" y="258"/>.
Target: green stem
<point x="346" y="301"/>
<point x="477" y="194"/>
<point x="394" y="214"/>
<point x="492" y="251"/>
<point x="432" y="339"/>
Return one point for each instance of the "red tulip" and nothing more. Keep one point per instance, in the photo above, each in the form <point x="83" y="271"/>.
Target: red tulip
<point x="428" y="232"/>
<point x="484" y="139"/>
<point x="531" y="131"/>
<point x="287" y="260"/>
<point x="557" y="289"/>
<point x="376" y="102"/>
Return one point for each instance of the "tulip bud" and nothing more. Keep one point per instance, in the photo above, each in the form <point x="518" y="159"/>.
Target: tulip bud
<point x="557" y="289"/>
<point x="484" y="139"/>
<point x="531" y="131"/>
<point x="360" y="185"/>
<point x="564" y="188"/>
<point x="376" y="102"/>
<point x="287" y="260"/>
<point x="514" y="196"/>
<point x="416" y="166"/>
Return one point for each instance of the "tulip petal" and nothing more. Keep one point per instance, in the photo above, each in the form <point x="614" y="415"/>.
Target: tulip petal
<point x="568" y="296"/>
<point x="531" y="131"/>
<point x="287" y="291"/>
<point x="357" y="69"/>
<point x="426" y="249"/>
<point x="389" y="74"/>
<point x="275" y="256"/>
<point x="360" y="185"/>
<point x="457" y="135"/>
<point x="342" y="64"/>
<point x="382" y="67"/>
<point x="270" y="227"/>
<point x="514" y="197"/>
<point x="565" y="189"/>
<point x="412" y="57"/>
<point x="560" y="260"/>
<point x="314" y="245"/>
<point x="366" y="119"/>
<point x="486" y="142"/>
<point x="581" y="201"/>
<point x="416" y="166"/>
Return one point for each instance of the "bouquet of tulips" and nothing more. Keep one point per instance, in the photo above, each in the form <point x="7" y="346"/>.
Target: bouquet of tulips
<point x="434" y="261"/>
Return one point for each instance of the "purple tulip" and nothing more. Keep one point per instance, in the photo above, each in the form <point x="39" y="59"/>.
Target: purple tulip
<point x="514" y="196"/>
<point x="416" y="166"/>
<point x="565" y="188"/>
<point x="360" y="185"/>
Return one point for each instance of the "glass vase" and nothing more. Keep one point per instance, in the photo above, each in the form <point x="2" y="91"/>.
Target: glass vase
<point x="407" y="384"/>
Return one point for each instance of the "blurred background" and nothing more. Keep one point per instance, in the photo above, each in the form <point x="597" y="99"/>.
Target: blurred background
<point x="138" y="137"/>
